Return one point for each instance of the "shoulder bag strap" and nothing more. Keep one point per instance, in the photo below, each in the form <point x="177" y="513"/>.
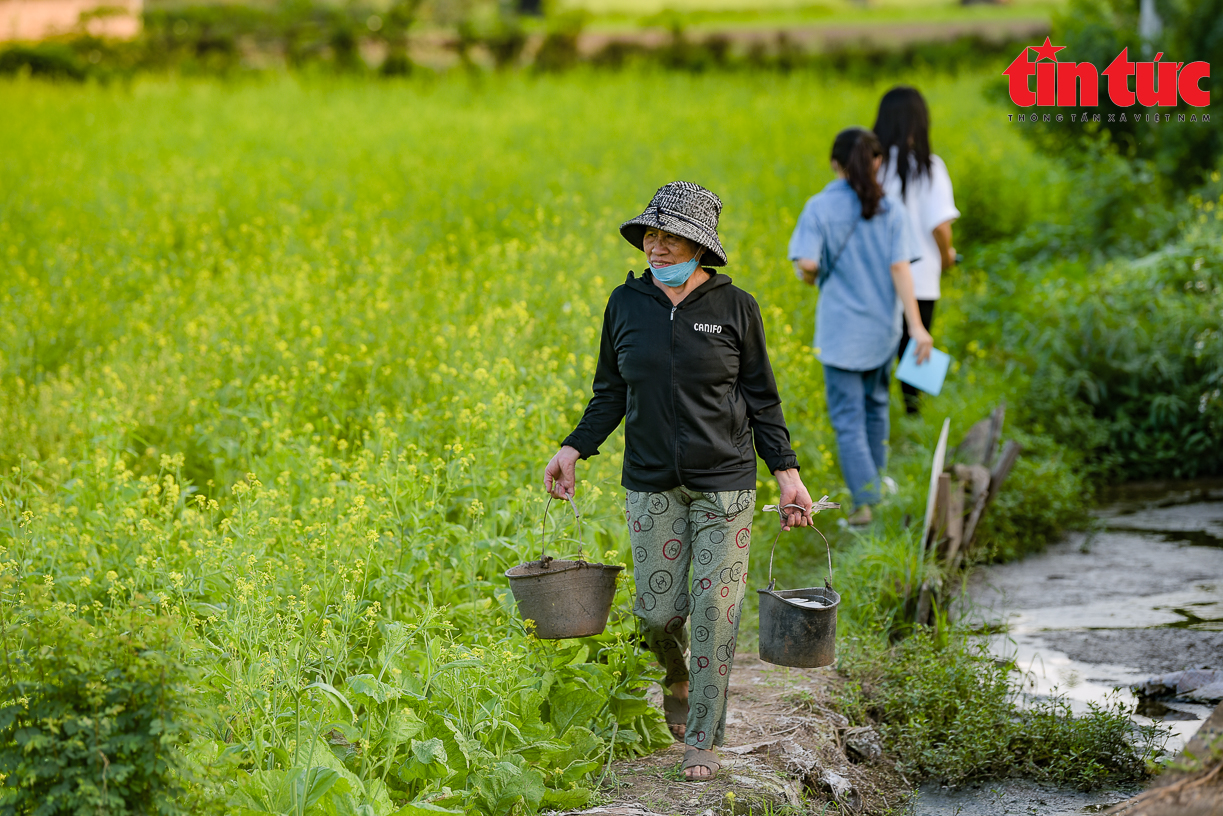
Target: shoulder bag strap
<point x="826" y="270"/>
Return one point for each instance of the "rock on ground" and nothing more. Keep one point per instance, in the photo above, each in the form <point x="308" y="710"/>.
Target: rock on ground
<point x="1199" y="685"/>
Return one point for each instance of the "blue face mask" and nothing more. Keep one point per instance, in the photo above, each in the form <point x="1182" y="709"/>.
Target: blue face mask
<point x="676" y="274"/>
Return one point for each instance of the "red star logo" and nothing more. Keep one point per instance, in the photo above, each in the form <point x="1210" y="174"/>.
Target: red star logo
<point x="1046" y="51"/>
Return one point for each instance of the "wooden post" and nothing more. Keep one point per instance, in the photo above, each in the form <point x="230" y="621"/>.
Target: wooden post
<point x="936" y="467"/>
<point x="978" y="477"/>
<point x="942" y="505"/>
<point x="995" y="433"/>
<point x="1006" y="461"/>
<point x="955" y="523"/>
<point x="1010" y="452"/>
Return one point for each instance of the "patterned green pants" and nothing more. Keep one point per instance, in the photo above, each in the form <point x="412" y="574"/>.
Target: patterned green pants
<point x="709" y="533"/>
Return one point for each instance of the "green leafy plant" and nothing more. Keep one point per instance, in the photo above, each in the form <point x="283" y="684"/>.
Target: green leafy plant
<point x="1123" y="355"/>
<point x="953" y="713"/>
<point x="93" y="719"/>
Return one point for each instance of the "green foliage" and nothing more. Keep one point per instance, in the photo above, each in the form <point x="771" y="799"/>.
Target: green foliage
<point x="47" y="60"/>
<point x="290" y="390"/>
<point x="1123" y="356"/>
<point x="93" y="717"/>
<point x="949" y="712"/>
<point x="1096" y="31"/>
<point x="1046" y="494"/>
<point x="212" y="38"/>
<point x="222" y="40"/>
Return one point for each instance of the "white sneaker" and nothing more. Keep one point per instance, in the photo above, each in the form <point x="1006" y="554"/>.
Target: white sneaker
<point x="890" y="486"/>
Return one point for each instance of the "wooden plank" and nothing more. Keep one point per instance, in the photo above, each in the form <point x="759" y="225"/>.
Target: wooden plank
<point x="972" y="448"/>
<point x="979" y="478"/>
<point x="1010" y="452"/>
<point x="942" y="503"/>
<point x="936" y="467"/>
<point x="995" y="433"/>
<point x="976" y="477"/>
<point x="955" y="523"/>
<point x="1006" y="461"/>
<point x="980" y="444"/>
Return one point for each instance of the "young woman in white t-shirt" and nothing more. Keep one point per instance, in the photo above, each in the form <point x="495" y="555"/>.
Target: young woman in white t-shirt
<point x="916" y="176"/>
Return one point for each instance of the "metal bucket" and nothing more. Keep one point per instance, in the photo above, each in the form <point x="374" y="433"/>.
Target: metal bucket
<point x="564" y="599"/>
<point x="793" y="633"/>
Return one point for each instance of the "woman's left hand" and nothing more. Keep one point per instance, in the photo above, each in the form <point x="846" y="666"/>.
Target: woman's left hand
<point x="924" y="343"/>
<point x="793" y="491"/>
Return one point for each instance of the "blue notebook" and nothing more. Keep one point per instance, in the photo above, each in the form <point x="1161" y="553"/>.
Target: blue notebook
<point x="929" y="375"/>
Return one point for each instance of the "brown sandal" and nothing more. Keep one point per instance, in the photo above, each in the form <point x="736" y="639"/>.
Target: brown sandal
<point x="700" y="758"/>
<point x="675" y="711"/>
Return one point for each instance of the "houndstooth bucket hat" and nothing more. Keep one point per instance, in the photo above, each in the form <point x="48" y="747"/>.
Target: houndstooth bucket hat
<point x="685" y="209"/>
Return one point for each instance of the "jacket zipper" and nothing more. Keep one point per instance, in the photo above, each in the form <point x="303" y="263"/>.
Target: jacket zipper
<point x="674" y="409"/>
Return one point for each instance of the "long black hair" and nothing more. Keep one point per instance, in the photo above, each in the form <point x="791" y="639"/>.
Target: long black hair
<point x="903" y="122"/>
<point x="855" y="150"/>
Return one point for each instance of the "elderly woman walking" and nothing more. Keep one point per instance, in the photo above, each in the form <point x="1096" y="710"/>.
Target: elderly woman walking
<point x="683" y="362"/>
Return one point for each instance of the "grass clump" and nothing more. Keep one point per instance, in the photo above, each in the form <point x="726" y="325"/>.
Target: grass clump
<point x="951" y="712"/>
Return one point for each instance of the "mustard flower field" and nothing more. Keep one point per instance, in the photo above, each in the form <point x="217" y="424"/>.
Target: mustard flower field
<point x="281" y="363"/>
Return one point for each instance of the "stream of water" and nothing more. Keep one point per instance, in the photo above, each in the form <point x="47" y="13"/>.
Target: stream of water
<point x="1140" y="594"/>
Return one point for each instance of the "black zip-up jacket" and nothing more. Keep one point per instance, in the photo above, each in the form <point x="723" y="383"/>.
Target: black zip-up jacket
<point x="693" y="384"/>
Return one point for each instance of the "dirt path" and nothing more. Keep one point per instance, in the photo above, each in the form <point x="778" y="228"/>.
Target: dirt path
<point x="826" y="36"/>
<point x="1139" y="596"/>
<point x="438" y="49"/>
<point x="786" y="751"/>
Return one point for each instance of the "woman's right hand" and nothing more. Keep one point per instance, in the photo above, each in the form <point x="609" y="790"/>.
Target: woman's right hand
<point x="560" y="476"/>
<point x="924" y="343"/>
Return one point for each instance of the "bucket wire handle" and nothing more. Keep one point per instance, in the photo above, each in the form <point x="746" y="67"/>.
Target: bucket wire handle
<point x="543" y="529"/>
<point x="822" y="504"/>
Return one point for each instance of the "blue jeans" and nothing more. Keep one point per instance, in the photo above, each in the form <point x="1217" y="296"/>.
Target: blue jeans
<point x="858" y="409"/>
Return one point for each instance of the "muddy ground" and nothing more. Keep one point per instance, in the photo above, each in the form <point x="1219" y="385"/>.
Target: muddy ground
<point x="1141" y="594"/>
<point x="784" y="743"/>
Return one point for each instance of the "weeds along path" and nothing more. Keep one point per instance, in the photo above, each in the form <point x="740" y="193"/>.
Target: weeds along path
<point x="281" y="362"/>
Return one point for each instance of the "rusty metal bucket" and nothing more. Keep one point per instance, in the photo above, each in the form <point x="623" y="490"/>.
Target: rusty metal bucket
<point x="564" y="599"/>
<point x="798" y="627"/>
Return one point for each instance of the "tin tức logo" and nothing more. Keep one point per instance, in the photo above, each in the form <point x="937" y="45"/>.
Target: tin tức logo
<point x="1156" y="83"/>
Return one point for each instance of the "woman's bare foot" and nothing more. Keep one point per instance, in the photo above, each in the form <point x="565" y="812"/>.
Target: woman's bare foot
<point x="700" y="765"/>
<point x="696" y="772"/>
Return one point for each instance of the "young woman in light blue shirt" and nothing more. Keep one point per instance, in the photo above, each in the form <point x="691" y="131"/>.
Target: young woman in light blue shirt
<point x="856" y="244"/>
